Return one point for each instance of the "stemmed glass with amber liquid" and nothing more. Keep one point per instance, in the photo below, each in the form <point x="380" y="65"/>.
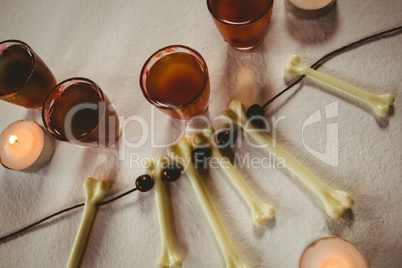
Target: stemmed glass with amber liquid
<point x="175" y="80"/>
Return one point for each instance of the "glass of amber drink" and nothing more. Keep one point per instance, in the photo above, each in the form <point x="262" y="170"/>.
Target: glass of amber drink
<point x="175" y="80"/>
<point x="25" y="79"/>
<point x="242" y="23"/>
<point x="77" y="111"/>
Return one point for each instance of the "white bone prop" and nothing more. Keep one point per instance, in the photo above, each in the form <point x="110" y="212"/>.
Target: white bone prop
<point x="95" y="190"/>
<point x="182" y="152"/>
<point x="335" y="201"/>
<point x="169" y="257"/>
<point x="261" y="212"/>
<point x="379" y="104"/>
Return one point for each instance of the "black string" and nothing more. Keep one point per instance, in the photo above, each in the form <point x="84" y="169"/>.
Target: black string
<point x="117" y="197"/>
<point x="332" y="54"/>
<point x="61" y="212"/>
<point x="315" y="66"/>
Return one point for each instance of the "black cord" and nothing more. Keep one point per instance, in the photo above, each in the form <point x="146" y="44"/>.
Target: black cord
<point x="283" y="91"/>
<point x="332" y="54"/>
<point x="3" y="238"/>
<point x="117" y="197"/>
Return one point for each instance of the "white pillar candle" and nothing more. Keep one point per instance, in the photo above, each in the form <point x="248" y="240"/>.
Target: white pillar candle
<point x="329" y="252"/>
<point x="309" y="9"/>
<point x="25" y="146"/>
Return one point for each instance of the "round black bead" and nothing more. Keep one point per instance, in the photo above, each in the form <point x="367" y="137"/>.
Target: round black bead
<point x="172" y="172"/>
<point x="144" y="183"/>
<point x="226" y="138"/>
<point x="201" y="155"/>
<point x="256" y="115"/>
<point x="255" y="110"/>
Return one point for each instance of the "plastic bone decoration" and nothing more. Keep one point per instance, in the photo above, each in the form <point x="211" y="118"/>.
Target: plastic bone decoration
<point x="379" y="104"/>
<point x="335" y="201"/>
<point x="261" y="212"/>
<point x="95" y="190"/>
<point x="169" y="257"/>
<point x="182" y="153"/>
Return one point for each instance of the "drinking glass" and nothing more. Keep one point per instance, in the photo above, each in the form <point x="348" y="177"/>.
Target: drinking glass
<point x="242" y="23"/>
<point x="77" y="111"/>
<point x="175" y="80"/>
<point x="25" y="79"/>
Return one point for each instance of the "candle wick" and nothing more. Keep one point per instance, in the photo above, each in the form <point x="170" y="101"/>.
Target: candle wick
<point x="13" y="139"/>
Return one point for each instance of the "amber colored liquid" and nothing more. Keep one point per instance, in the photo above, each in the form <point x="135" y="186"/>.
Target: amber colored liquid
<point x="78" y="114"/>
<point x="16" y="84"/>
<point x="178" y="81"/>
<point x="253" y="16"/>
<point x="15" y="67"/>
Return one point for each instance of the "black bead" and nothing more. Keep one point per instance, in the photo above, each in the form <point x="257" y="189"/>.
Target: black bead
<point x="226" y="138"/>
<point x="201" y="155"/>
<point x="144" y="183"/>
<point x="255" y="110"/>
<point x="172" y="172"/>
<point x="256" y="113"/>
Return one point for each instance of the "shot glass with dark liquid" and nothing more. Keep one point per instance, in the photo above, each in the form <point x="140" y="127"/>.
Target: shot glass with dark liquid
<point x="25" y="79"/>
<point x="242" y="23"/>
<point x="77" y="111"/>
<point x="175" y="80"/>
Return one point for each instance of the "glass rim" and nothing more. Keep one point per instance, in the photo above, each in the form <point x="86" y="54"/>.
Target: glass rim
<point x="165" y="106"/>
<point x="33" y="63"/>
<point x="102" y="99"/>
<point x="242" y="23"/>
<point x="332" y="237"/>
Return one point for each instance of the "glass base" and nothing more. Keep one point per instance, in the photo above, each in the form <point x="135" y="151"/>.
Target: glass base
<point x="245" y="48"/>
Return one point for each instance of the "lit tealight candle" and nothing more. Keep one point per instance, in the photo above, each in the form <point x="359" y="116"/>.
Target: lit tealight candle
<point x="25" y="146"/>
<point x="332" y="252"/>
<point x="310" y="9"/>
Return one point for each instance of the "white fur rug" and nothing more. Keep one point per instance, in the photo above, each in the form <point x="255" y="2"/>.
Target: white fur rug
<point x="108" y="42"/>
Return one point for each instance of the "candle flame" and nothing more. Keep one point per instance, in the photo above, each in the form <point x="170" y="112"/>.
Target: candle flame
<point x="13" y="139"/>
